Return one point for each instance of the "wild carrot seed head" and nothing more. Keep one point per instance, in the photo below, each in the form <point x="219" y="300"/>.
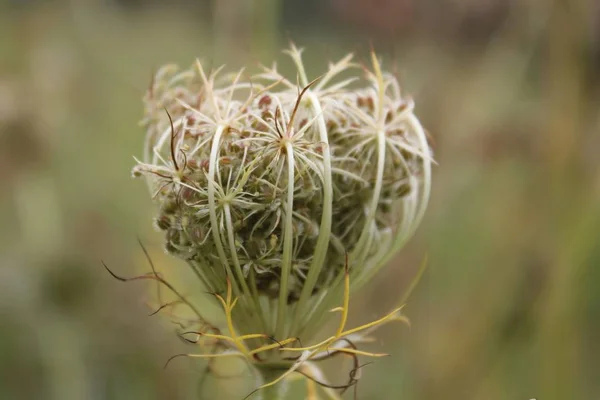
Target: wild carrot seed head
<point x="270" y="182"/>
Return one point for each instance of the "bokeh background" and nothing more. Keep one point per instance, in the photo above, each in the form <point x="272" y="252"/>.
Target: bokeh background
<point x="509" y="90"/>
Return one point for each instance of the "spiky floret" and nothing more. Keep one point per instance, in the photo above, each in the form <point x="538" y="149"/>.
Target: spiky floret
<point x="264" y="184"/>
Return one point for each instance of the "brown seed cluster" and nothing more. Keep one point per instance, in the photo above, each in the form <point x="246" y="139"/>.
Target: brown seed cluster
<point x="249" y="173"/>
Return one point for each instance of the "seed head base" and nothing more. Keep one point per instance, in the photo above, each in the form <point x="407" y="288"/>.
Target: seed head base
<point x="343" y="342"/>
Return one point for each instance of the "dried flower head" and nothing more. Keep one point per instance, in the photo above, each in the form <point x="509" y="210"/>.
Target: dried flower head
<point x="284" y="193"/>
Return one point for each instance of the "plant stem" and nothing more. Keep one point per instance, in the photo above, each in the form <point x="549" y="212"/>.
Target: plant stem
<point x="274" y="392"/>
<point x="286" y="261"/>
<point x="325" y="226"/>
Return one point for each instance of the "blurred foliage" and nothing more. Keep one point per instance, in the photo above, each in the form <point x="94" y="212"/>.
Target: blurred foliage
<point x="509" y="90"/>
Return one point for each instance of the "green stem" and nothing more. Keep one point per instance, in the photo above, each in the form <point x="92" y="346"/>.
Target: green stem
<point x="413" y="213"/>
<point x="286" y="263"/>
<point x="321" y="248"/>
<point x="274" y="392"/>
<point x="212" y="206"/>
<point x="238" y="270"/>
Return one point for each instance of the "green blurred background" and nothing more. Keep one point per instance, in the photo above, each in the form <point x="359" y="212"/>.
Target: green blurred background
<point x="509" y="307"/>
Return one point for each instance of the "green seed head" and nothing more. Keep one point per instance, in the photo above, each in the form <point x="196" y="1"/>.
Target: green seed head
<point x="271" y="181"/>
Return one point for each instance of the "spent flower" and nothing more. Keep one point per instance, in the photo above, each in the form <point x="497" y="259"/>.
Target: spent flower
<point x="284" y="195"/>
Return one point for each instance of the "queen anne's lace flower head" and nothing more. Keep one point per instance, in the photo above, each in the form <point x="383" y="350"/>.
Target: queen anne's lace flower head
<point x="279" y="190"/>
